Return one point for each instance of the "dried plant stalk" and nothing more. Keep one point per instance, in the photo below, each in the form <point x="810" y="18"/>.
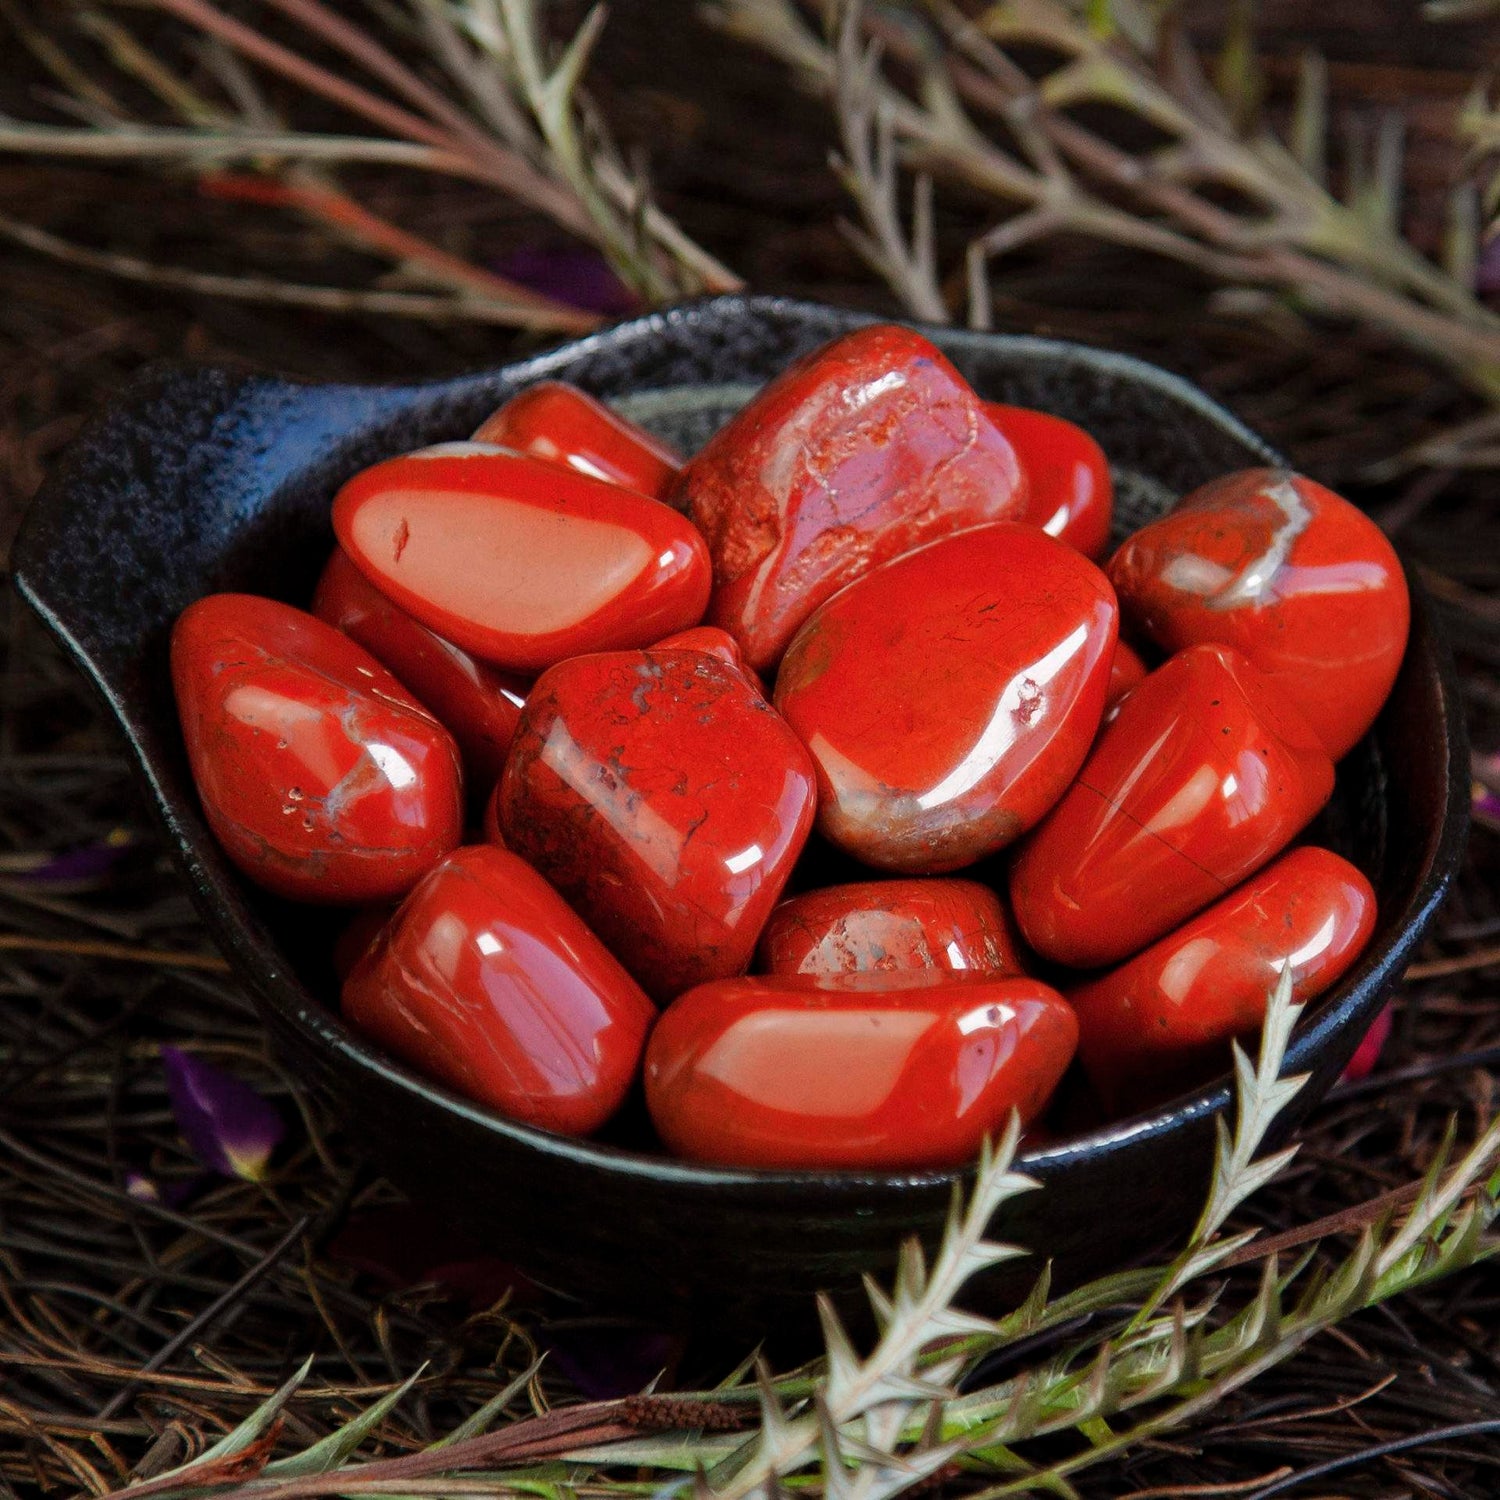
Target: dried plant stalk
<point x="512" y="117"/>
<point x="974" y="117"/>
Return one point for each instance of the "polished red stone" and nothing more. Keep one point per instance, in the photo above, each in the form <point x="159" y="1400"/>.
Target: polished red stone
<point x="564" y="425"/>
<point x="861" y="451"/>
<point x="949" y="697"/>
<point x="521" y="561"/>
<point x="489" y="823"/>
<point x="666" y="800"/>
<point x="886" y="925"/>
<point x="1204" y="775"/>
<point x="1069" y="491"/>
<point x="715" y="642"/>
<point x="321" y="776"/>
<point x="478" y="705"/>
<point x="354" y="941"/>
<point x="1125" y="672"/>
<point x="853" y="1070"/>
<point x="1162" y="1023"/>
<point x="1288" y="573"/>
<point x="487" y="981"/>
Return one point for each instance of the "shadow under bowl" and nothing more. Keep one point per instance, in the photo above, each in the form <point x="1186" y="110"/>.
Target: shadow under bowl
<point x="201" y="480"/>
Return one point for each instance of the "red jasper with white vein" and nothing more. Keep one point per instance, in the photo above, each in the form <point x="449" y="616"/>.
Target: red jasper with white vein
<point x="321" y="776"/>
<point x="1294" y="577"/>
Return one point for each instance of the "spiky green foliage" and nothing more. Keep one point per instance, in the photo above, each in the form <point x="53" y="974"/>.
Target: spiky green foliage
<point x="1161" y="1347"/>
<point x="1220" y="192"/>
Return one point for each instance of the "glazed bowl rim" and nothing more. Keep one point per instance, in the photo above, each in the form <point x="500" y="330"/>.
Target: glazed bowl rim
<point x="311" y="1015"/>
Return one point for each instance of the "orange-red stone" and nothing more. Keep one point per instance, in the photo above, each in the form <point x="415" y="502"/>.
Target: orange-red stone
<point x="1125" y="672"/>
<point x="1162" y="1022"/>
<point x="478" y="705"/>
<point x="1292" y="576"/>
<point x="1204" y="775"/>
<point x="855" y="1070"/>
<point x="521" y="561"/>
<point x="321" y="776"/>
<point x="878" y="926"/>
<point x="487" y="981"/>
<point x="564" y="425"/>
<point x="1069" y="491"/>
<point x="949" y="697"/>
<point x="667" y="801"/>
<point x="863" y="450"/>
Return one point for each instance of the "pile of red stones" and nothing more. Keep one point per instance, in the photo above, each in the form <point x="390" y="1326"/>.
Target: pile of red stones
<point x="560" y="632"/>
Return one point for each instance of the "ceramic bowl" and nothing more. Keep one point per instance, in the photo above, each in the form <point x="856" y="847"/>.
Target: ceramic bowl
<point x="201" y="480"/>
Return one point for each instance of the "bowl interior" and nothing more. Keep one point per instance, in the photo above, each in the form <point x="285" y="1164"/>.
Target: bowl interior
<point x="201" y="480"/>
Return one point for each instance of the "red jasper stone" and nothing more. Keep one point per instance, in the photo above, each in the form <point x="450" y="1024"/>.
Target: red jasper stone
<point x="1125" y="671"/>
<point x="866" y="448"/>
<point x="666" y="800"/>
<point x="521" y="561"/>
<point x="478" y="705"/>
<point x="490" y="822"/>
<point x="1069" y="491"/>
<point x="564" y="425"/>
<point x="1292" y="576"/>
<point x="885" y="925"/>
<point x="1204" y="775"/>
<point x="1162" y="1022"/>
<point x="949" y="697"/>
<point x="321" y="776"/>
<point x="853" y="1070"/>
<point x="354" y="941"/>
<point x="715" y="642"/>
<point x="487" y="981"/>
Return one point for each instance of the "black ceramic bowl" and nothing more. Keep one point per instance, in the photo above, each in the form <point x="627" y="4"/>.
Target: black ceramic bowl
<point x="201" y="480"/>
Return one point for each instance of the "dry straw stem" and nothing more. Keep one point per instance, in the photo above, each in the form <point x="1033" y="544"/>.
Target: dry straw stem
<point x="974" y="116"/>
<point x="1117" y="1363"/>
<point x="510" y="117"/>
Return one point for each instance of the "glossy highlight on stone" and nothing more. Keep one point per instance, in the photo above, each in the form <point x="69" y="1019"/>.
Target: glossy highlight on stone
<point x="564" y="425"/>
<point x="666" y="800"/>
<point x="880" y="926"/>
<point x="477" y="704"/>
<point x="863" y="450"/>
<point x="1204" y="775"/>
<point x="855" y="1070"/>
<point x="1162" y="1023"/>
<point x="487" y="981"/>
<point x="320" y="775"/>
<point x="1070" y="494"/>
<point x="521" y="561"/>
<point x="1125" y="672"/>
<point x="1294" y="577"/>
<point x="949" y="697"/>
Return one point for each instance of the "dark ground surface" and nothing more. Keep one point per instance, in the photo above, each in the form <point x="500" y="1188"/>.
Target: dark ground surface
<point x="93" y="1287"/>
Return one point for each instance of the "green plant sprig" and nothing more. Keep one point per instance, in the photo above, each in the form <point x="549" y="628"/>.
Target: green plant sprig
<point x="1136" y="1355"/>
<point x="1049" y="174"/>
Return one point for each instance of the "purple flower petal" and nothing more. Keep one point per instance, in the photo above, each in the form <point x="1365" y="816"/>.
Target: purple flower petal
<point x="606" y="1360"/>
<point x="227" y="1125"/>
<point x="576" y="275"/>
<point x="78" y="869"/>
<point x="1485" y="805"/>
<point x="403" y="1245"/>
<point x="1367" y="1054"/>
<point x="142" y="1188"/>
